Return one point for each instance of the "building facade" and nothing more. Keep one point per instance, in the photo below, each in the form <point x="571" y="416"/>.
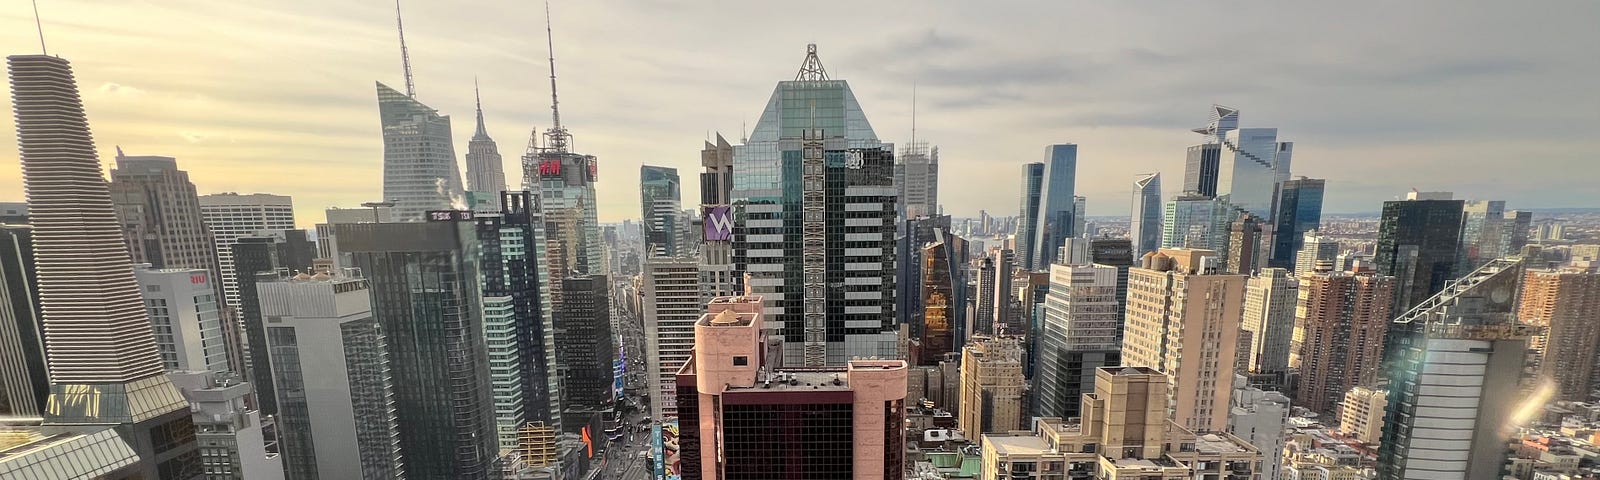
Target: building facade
<point x="231" y="216"/>
<point x="1418" y="244"/>
<point x="1361" y="413"/>
<point x="659" y="198"/>
<point x="518" y="316"/>
<point x="1081" y="333"/>
<point x="24" y="377"/>
<point x="185" y="316"/>
<point x="1344" y="317"/>
<point x="1316" y="248"/>
<point x="992" y="386"/>
<point x="1269" y="315"/>
<point x="1057" y="212"/>
<point x="1145" y="229"/>
<point x="1565" y="303"/>
<point x="1028" y="214"/>
<point x="585" y="353"/>
<point x="1183" y="320"/>
<point x="419" y="156"/>
<point x="671" y="298"/>
<point x="1299" y="210"/>
<point x="1192" y="221"/>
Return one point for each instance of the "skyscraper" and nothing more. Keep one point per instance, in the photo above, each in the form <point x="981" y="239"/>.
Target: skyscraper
<point x="1455" y="366"/>
<point x="24" y="378"/>
<point x="231" y="215"/>
<point x="945" y="296"/>
<point x="1345" y="318"/>
<point x="659" y="199"/>
<point x="160" y="213"/>
<point x="1145" y="229"/>
<point x="105" y="368"/>
<point x="743" y="419"/>
<point x="992" y="386"/>
<point x="419" y="155"/>
<point x="585" y="353"/>
<point x="1028" y="214"/>
<point x="1564" y="302"/>
<point x="1269" y="306"/>
<point x="983" y="312"/>
<point x="1315" y="248"/>
<point x="1253" y="163"/>
<point x="1193" y="221"/>
<point x="1184" y="321"/>
<point x="1299" y="210"/>
<point x="186" y="316"/>
<point x="1200" y="169"/>
<point x="1418" y="242"/>
<point x="830" y="278"/>
<point x="1056" y="218"/>
<point x="1482" y="226"/>
<point x="1243" y="254"/>
<point x="1080" y="334"/>
<point x="519" y="315"/>
<point x="917" y="179"/>
<point x="716" y="220"/>
<point x="671" y="300"/>
<point x="269" y="252"/>
<point x="565" y="182"/>
<point x="428" y="302"/>
<point x="336" y="384"/>
<point x="485" y="172"/>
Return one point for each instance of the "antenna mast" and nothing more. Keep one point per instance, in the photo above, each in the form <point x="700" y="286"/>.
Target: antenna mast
<point x="550" y="43"/>
<point x="914" y="147"/>
<point x="40" y="25"/>
<point x="405" y="57"/>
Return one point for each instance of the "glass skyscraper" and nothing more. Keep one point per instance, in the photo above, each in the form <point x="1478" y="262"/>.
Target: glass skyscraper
<point x="1028" y="213"/>
<point x="659" y="198"/>
<point x="1145" y="230"/>
<point x="1299" y="211"/>
<point x="419" y="157"/>
<point x="1418" y="242"/>
<point x="1056" y="220"/>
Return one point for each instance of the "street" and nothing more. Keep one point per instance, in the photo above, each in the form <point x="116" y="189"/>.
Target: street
<point x="626" y="458"/>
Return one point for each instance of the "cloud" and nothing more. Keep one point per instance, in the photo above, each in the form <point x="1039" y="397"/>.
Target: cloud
<point x="118" y="89"/>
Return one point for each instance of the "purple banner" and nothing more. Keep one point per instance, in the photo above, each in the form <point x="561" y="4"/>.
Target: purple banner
<point x="718" y="222"/>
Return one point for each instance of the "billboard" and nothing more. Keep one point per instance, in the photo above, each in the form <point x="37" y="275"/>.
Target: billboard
<point x="664" y="451"/>
<point x="449" y="215"/>
<point x="718" y="220"/>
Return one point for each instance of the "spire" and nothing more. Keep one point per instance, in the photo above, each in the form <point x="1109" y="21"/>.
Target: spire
<point x="913" y="114"/>
<point x="550" y="43"/>
<point x="405" y="57"/>
<point x="40" y="25"/>
<point x="478" y="99"/>
<point x="811" y="69"/>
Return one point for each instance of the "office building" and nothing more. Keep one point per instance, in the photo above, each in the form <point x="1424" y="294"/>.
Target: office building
<point x="1564" y="302"/>
<point x="485" y="171"/>
<point x="428" y="303"/>
<point x="1260" y="418"/>
<point x="1200" y="169"/>
<point x="944" y="292"/>
<point x="565" y="181"/>
<point x="818" y="239"/>
<point x="1456" y="364"/>
<point x="234" y="438"/>
<point x="1316" y="248"/>
<point x="585" y="353"/>
<point x="740" y="418"/>
<point x="1482" y="225"/>
<point x="266" y="252"/>
<point x="717" y="277"/>
<point x="1192" y="221"/>
<point x="1183" y="319"/>
<point x="419" y="154"/>
<point x="992" y="386"/>
<point x="1344" y="318"/>
<point x="671" y="300"/>
<point x="1299" y="210"/>
<point x="518" y="316"/>
<point x="1080" y="334"/>
<point x="336" y="385"/>
<point x="1028" y="214"/>
<point x="1418" y="244"/>
<point x="1057" y="220"/>
<point x="185" y="316"/>
<point x="98" y="342"/>
<point x="1252" y="165"/>
<point x="160" y="214"/>
<point x="1269" y="309"/>
<point x="1515" y="230"/>
<point x="231" y="216"/>
<point x="1361" y="413"/>
<point x="659" y="198"/>
<point x="1145" y="229"/>
<point x="1119" y="253"/>
<point x="916" y="176"/>
<point x="910" y="242"/>
<point x="24" y="378"/>
<point x="1005" y="266"/>
<point x="328" y="244"/>
<point x="983" y="312"/>
<point x="1123" y="434"/>
<point x="1244" y="252"/>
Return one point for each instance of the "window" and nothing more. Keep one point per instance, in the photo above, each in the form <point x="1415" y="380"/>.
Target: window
<point x="741" y="360"/>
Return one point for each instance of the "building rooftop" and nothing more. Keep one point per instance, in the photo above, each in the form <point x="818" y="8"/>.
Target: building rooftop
<point x="1213" y="443"/>
<point x="1017" y="444"/>
<point x="821" y="379"/>
<point x="59" y="452"/>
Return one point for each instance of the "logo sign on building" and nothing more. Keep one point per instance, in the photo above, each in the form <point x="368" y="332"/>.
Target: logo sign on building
<point x="594" y="170"/>
<point x="854" y="160"/>
<point x="550" y="167"/>
<point x="197" y="279"/>
<point x="664" y="450"/>
<point x="718" y="223"/>
<point x="449" y="215"/>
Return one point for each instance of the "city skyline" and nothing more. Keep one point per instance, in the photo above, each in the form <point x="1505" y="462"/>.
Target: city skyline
<point x="1365" y="102"/>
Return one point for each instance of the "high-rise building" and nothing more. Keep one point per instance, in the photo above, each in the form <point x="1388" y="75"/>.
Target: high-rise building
<point x="565" y="181"/>
<point x="1115" y="252"/>
<point x="1193" y="221"/>
<point x="287" y="251"/>
<point x="1361" y="413"/>
<point x="24" y="378"/>
<point x="983" y="313"/>
<point x="328" y="244"/>
<point x="1482" y="225"/>
<point x="992" y="386"/>
<point x="1299" y="210"/>
<point x="1564" y="303"/>
<point x="585" y="353"/>
<point x="105" y="368"/>
<point x="1243" y="254"/>
<point x="1316" y="248"/>
<point x="235" y="439"/>
<point x="1028" y="214"/>
<point x="916" y="176"/>
<point x="740" y="418"/>
<point x="818" y="239"/>
<point x="1344" y="317"/>
<point x="485" y="171"/>
<point x="913" y="236"/>
<point x="1056" y="210"/>
<point x="1124" y="433"/>
<point x="1080" y="334"/>
<point x="1253" y="163"/>
<point x="671" y="300"/>
<point x="716" y="220"/>
<point x="428" y="301"/>
<point x="230" y="216"/>
<point x="659" y="198"/>
<point x="518" y="316"/>
<point x="1200" y="169"/>
<point x="944" y="298"/>
<point x="1418" y="242"/>
<point x="1183" y="319"/>
<point x="1145" y="229"/>
<point x="335" y="381"/>
<point x="1005" y="265"/>
<point x="1456" y="365"/>
<point x="1516" y="228"/>
<point x="1080" y="217"/>
<point x="1260" y="418"/>
<point x="419" y="155"/>
<point x="185" y="316"/>
<point x="1269" y="306"/>
<point x="160" y="213"/>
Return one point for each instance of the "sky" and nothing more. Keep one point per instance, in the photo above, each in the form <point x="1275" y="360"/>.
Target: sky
<point x="1489" y="99"/>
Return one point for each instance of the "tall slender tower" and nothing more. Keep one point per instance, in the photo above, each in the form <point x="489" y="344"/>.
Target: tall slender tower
<point x="104" y="365"/>
<point x="1418" y="242"/>
<point x="485" y="172"/>
<point x="660" y="202"/>
<point x="1299" y="210"/>
<point x="419" y="156"/>
<point x="565" y="180"/>
<point x="1185" y="322"/>
<point x="1145" y="230"/>
<point x="1056" y="221"/>
<point x="1028" y="213"/>
<point x="1343" y="318"/>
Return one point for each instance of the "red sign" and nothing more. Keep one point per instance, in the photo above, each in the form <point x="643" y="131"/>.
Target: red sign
<point x="550" y="168"/>
<point x="594" y="171"/>
<point x="197" y="279"/>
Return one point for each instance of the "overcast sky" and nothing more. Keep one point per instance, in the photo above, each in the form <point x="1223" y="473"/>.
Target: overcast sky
<point x="1492" y="100"/>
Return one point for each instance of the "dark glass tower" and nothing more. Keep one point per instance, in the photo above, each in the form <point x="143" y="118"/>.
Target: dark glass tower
<point x="585" y="352"/>
<point x="1056" y="222"/>
<point x="1028" y="213"/>
<point x="659" y="199"/>
<point x="288" y="250"/>
<point x="1299" y="211"/>
<point x="1200" y="169"/>
<point x="1418" y="241"/>
<point x="426" y="296"/>
<point x="24" y="381"/>
<point x="512" y="264"/>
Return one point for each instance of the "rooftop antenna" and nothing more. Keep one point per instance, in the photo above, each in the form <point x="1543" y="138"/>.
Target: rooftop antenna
<point x="40" y="25"/>
<point x="550" y="43"/>
<point x="405" y="57"/>
<point x="914" y="148"/>
<point x="811" y="69"/>
<point x="743" y="136"/>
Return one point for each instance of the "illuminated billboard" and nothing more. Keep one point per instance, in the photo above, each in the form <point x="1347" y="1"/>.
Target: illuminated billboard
<point x="664" y="451"/>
